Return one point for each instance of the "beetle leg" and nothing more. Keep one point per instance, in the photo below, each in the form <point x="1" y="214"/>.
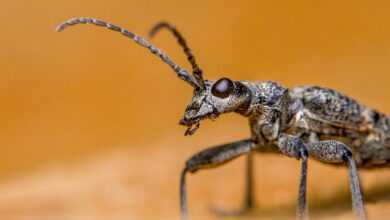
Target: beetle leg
<point x="357" y="198"/>
<point x="249" y="186"/>
<point x="294" y="147"/>
<point x="209" y="158"/>
<point x="332" y="151"/>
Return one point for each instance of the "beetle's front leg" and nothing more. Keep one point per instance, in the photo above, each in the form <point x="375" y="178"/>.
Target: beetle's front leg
<point x="209" y="158"/>
<point x="294" y="147"/>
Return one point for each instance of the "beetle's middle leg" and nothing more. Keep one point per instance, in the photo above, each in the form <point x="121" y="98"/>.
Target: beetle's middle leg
<point x="330" y="151"/>
<point x="209" y="158"/>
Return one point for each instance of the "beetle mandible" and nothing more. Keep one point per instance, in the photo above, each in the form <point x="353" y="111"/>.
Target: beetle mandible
<point x="302" y="122"/>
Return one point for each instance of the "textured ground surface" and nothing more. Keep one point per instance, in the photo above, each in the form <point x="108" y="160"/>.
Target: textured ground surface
<point x="123" y="185"/>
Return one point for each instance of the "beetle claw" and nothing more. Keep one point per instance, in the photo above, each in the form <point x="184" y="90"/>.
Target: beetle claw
<point x="191" y="129"/>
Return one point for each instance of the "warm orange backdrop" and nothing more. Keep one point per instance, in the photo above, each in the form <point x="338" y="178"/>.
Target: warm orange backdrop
<point x="68" y="96"/>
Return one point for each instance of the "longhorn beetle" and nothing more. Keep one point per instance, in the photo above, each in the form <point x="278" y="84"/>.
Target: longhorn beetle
<point x="301" y="122"/>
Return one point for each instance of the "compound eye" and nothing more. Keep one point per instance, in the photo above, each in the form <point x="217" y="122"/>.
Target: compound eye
<point x="222" y="88"/>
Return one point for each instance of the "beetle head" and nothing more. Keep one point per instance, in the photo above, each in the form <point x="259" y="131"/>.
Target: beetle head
<point x="214" y="99"/>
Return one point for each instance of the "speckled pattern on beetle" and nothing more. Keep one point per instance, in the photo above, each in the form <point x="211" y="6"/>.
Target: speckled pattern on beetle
<point x="302" y="122"/>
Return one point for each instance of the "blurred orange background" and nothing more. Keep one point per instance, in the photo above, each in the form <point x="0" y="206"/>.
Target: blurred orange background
<point x="91" y="95"/>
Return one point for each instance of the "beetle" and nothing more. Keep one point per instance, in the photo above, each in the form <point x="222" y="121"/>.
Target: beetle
<point x="301" y="122"/>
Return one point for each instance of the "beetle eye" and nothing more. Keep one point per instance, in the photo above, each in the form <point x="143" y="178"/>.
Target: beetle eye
<point x="222" y="88"/>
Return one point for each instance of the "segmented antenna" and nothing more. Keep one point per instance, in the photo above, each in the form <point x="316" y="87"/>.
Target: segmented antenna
<point x="197" y="72"/>
<point x="182" y="73"/>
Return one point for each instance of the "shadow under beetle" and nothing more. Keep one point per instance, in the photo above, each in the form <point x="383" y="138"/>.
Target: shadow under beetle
<point x="302" y="122"/>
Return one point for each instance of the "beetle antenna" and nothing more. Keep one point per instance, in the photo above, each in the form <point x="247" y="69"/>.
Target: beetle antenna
<point x="197" y="71"/>
<point x="181" y="73"/>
